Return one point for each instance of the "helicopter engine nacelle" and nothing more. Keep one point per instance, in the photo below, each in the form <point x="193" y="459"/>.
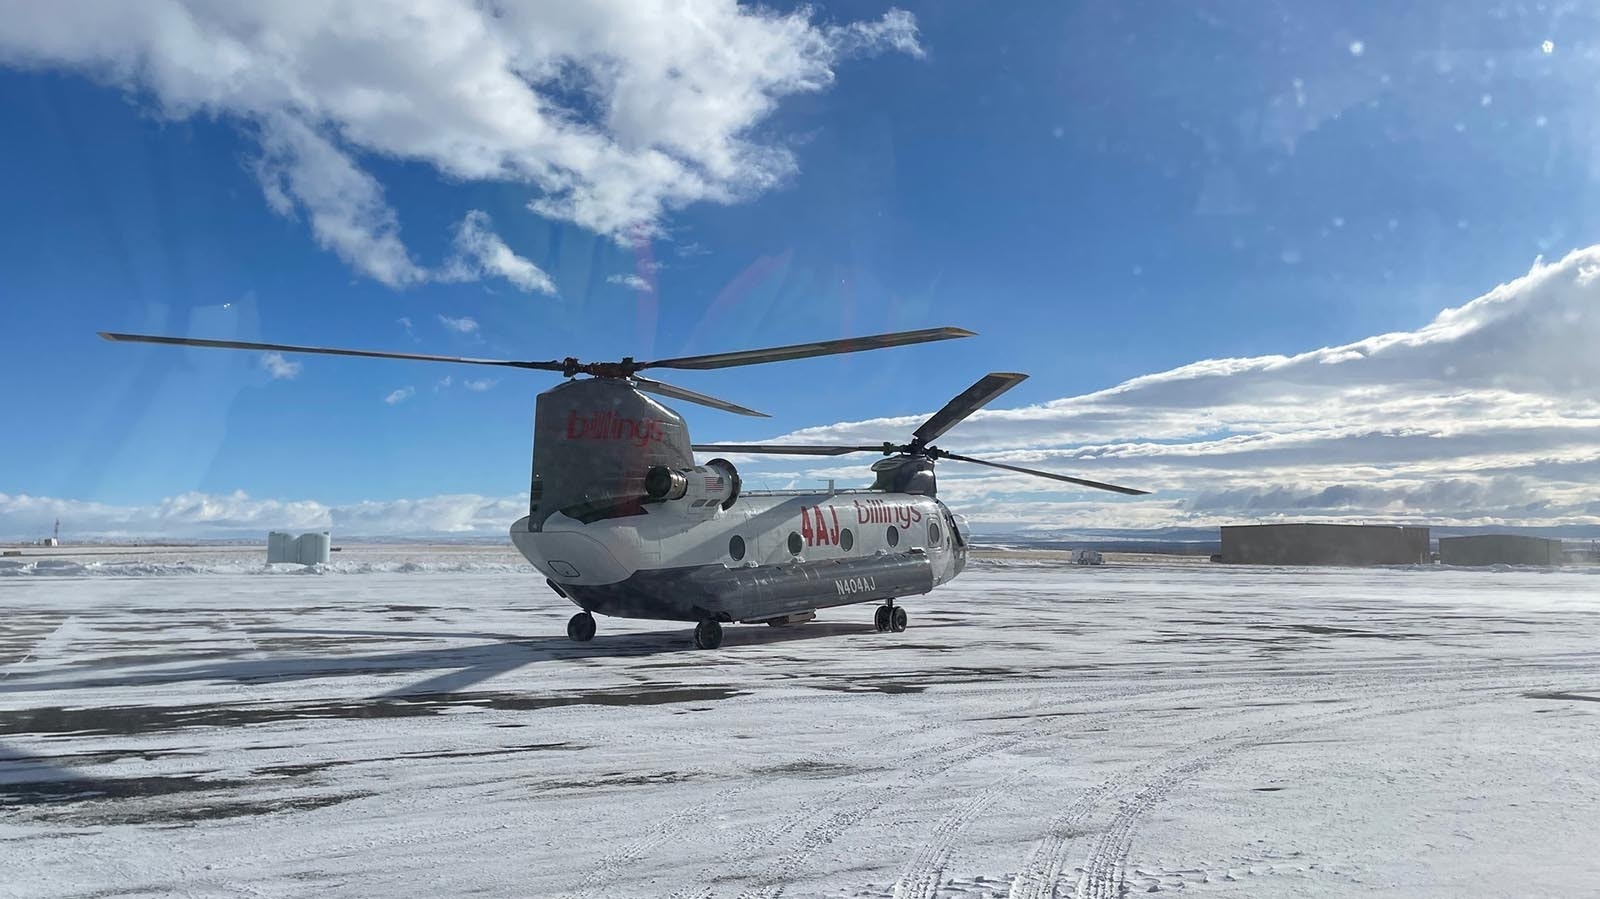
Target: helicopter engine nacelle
<point x="714" y="485"/>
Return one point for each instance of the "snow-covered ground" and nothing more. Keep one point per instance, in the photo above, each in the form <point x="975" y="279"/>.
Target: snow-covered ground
<point x="417" y="724"/>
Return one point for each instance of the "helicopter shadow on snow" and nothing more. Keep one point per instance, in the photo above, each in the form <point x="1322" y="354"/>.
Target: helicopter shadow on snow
<point x="677" y="646"/>
<point x="458" y="667"/>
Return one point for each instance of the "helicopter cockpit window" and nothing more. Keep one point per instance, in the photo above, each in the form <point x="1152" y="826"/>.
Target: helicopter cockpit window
<point x="736" y="548"/>
<point x="894" y="535"/>
<point x="934" y="537"/>
<point x="847" y="540"/>
<point x="794" y="543"/>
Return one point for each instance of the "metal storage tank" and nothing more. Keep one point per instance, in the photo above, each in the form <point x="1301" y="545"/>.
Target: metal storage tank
<point x="1501" y="549"/>
<point x="313" y="548"/>
<point x="307" y="549"/>
<point x="281" y="548"/>
<point x="1324" y="544"/>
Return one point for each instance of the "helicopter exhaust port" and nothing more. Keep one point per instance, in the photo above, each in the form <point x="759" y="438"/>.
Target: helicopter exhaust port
<point x="709" y="486"/>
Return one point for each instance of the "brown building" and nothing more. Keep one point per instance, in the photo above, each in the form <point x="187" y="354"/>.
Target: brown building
<point x="1324" y="544"/>
<point x="1500" y="549"/>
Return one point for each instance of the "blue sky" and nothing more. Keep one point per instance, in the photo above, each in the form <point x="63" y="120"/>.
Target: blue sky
<point x="1103" y="192"/>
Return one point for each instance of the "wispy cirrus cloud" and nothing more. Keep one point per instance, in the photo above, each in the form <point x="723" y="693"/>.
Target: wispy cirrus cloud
<point x="400" y="395"/>
<point x="1490" y="413"/>
<point x="609" y="114"/>
<point x="480" y="252"/>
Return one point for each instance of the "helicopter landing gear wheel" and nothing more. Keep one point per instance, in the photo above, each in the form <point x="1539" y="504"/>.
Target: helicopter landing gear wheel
<point x="580" y="627"/>
<point x="897" y="619"/>
<point x="882" y="618"/>
<point x="708" y="634"/>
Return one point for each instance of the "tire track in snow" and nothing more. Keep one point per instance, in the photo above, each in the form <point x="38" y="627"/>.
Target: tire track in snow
<point x="608" y="870"/>
<point x="923" y="873"/>
<point x="1104" y="874"/>
<point x="1042" y="870"/>
<point x="858" y="802"/>
<point x="752" y="841"/>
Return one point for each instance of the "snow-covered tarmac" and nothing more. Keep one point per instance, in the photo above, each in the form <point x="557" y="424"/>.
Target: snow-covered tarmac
<point x="418" y="725"/>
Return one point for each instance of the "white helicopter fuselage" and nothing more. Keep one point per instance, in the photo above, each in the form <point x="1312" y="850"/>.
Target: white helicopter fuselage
<point x="622" y="522"/>
<point x="765" y="557"/>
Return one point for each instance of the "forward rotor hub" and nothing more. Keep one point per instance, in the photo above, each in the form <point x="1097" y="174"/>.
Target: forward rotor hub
<point x="571" y="367"/>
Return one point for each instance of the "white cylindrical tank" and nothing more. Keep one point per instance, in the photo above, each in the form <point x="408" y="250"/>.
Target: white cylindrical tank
<point x="280" y="548"/>
<point x="314" y="548"/>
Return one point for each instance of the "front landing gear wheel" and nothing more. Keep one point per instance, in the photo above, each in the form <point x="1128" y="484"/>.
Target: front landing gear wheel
<point x="897" y="620"/>
<point x="581" y="627"/>
<point x="881" y="618"/>
<point x="708" y="634"/>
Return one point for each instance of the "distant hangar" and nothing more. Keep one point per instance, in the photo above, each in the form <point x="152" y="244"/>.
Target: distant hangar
<point x="1501" y="549"/>
<point x="1325" y="544"/>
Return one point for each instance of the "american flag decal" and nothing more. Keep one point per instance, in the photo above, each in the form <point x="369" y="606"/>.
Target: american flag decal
<point x="713" y="483"/>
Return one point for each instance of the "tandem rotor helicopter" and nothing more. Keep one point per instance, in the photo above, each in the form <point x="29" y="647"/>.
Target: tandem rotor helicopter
<point x="622" y="522"/>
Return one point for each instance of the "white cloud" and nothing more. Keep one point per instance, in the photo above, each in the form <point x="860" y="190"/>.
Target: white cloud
<point x="609" y="113"/>
<point x="400" y="395"/>
<point x="279" y="367"/>
<point x="303" y="169"/>
<point x="461" y="514"/>
<point x="200" y="515"/>
<point x="630" y="281"/>
<point x="463" y="325"/>
<point x="1488" y="414"/>
<point x="480" y="252"/>
<point x="476" y="386"/>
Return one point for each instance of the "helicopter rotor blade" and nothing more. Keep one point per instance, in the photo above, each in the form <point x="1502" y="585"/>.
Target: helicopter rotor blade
<point x="326" y="351"/>
<point x="1046" y="474"/>
<point x="968" y="401"/>
<point x="807" y="350"/>
<point x="689" y="396"/>
<point x="785" y="449"/>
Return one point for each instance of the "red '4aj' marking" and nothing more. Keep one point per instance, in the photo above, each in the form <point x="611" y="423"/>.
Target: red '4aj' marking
<point x="820" y="534"/>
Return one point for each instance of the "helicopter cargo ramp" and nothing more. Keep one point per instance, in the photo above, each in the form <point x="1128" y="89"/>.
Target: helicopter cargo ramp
<point x="412" y="721"/>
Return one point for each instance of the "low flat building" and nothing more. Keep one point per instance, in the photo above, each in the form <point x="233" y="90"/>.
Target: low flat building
<point x="1501" y="549"/>
<point x="1324" y="544"/>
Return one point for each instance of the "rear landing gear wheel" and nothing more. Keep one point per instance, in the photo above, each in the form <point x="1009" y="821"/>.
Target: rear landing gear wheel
<point x="708" y="634"/>
<point x="580" y="627"/>
<point x="881" y="618"/>
<point x="897" y="620"/>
